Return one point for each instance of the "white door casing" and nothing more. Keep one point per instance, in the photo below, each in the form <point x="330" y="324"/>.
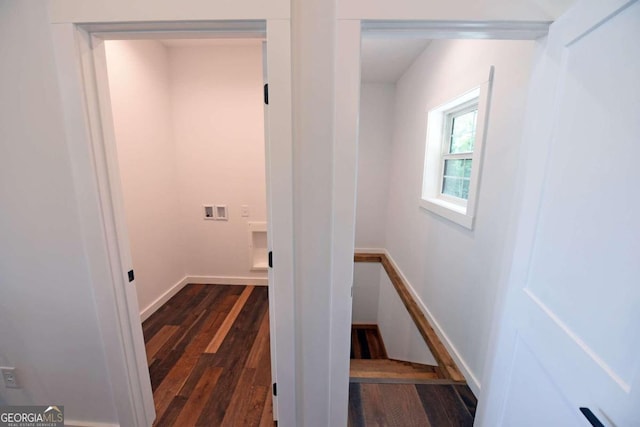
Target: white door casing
<point x="568" y="336"/>
<point x="82" y="76"/>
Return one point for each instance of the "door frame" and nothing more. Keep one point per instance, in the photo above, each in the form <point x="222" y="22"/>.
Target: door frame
<point x="81" y="66"/>
<point x="345" y="159"/>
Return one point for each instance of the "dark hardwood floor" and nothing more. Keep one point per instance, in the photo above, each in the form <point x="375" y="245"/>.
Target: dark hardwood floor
<point x="406" y="405"/>
<point x="209" y="357"/>
<point x="209" y="361"/>
<point x="387" y="400"/>
<point x="366" y="343"/>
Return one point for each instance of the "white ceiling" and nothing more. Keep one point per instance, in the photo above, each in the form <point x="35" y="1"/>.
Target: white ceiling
<point x="386" y="60"/>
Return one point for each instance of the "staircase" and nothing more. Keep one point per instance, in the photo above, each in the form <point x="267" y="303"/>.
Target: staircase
<point x="370" y="364"/>
<point x="390" y="370"/>
<point x="369" y="361"/>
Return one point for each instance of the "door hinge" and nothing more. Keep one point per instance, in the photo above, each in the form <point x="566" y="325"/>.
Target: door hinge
<point x="270" y="259"/>
<point x="266" y="93"/>
<point x="131" y="276"/>
<point x="275" y="389"/>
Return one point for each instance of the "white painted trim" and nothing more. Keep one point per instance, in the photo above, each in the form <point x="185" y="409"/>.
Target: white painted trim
<point x="279" y="154"/>
<point x="472" y="380"/>
<point x="227" y="280"/>
<point x="431" y="197"/>
<point x="502" y="30"/>
<point x="115" y="300"/>
<point x="347" y="112"/>
<point x="345" y="159"/>
<point x="78" y="423"/>
<point x="454" y="213"/>
<point x="162" y="299"/>
<point x="178" y="29"/>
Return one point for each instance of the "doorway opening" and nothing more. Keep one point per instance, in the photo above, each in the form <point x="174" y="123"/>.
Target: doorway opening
<point x="188" y="120"/>
<point x="440" y="124"/>
<point x="82" y="71"/>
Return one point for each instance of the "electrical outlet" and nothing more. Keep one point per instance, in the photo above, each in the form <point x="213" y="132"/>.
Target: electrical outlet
<point x="9" y="377"/>
<point x="244" y="211"/>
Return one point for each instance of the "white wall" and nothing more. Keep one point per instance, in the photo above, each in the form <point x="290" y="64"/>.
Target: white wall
<point x="399" y="332"/>
<point x="374" y="151"/>
<point x="366" y="285"/>
<point x="313" y="77"/>
<point x="377" y="102"/>
<point x="166" y="10"/>
<point x="454" y="271"/>
<point x="48" y="323"/>
<point x="189" y="131"/>
<point x="218" y="114"/>
<point x="375" y="300"/>
<point x="139" y="84"/>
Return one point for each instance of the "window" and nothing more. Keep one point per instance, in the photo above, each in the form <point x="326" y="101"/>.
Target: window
<point x="453" y="155"/>
<point x="457" y="151"/>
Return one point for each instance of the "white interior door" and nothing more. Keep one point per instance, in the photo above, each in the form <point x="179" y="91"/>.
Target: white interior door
<point x="280" y="218"/>
<point x="570" y="333"/>
<point x="272" y="324"/>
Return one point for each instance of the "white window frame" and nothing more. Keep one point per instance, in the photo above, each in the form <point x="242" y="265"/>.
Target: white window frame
<point x="439" y="123"/>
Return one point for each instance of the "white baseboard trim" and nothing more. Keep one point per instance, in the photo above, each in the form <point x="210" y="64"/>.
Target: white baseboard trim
<point x="77" y="423"/>
<point x="154" y="306"/>
<point x="472" y="381"/>
<point x="228" y="280"/>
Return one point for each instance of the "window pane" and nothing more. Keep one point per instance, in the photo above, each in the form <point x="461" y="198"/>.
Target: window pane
<point x="456" y="179"/>
<point x="452" y="187"/>
<point x="465" y="189"/>
<point x="457" y="168"/>
<point x="463" y="132"/>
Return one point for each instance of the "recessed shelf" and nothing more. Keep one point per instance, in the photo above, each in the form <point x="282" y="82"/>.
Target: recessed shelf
<point x="258" y="246"/>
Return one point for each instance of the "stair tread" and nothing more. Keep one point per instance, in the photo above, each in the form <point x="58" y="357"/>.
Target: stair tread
<point x="390" y="368"/>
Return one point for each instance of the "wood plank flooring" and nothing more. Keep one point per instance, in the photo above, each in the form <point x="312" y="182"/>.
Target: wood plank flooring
<point x="406" y="405"/>
<point x="389" y="371"/>
<point x="366" y="342"/>
<point x="209" y="357"/>
<point x="369" y="361"/>
<point x="209" y="361"/>
<point x="386" y="392"/>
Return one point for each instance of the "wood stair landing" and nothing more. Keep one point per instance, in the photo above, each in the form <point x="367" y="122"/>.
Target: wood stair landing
<point x="390" y="370"/>
<point x="370" y="364"/>
<point x="445" y="362"/>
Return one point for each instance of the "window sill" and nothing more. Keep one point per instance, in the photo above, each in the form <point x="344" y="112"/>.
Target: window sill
<point x="448" y="210"/>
